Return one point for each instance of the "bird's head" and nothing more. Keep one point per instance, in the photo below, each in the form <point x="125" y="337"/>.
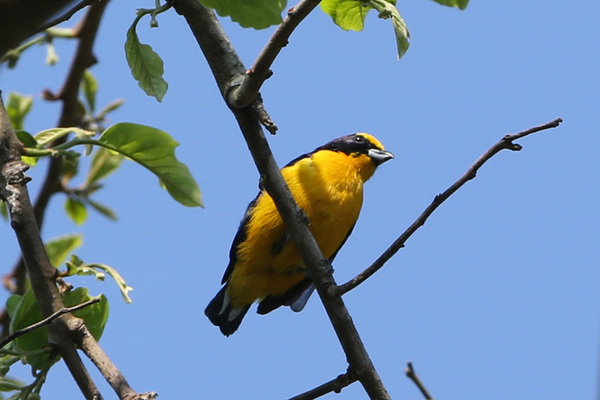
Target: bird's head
<point x="366" y="151"/>
<point x="360" y="144"/>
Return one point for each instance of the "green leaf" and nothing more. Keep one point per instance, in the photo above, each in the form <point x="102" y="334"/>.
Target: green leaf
<point x="94" y="316"/>
<point x="351" y="14"/>
<point x="8" y="384"/>
<point x="69" y="169"/>
<point x="258" y="14"/>
<point x="123" y="286"/>
<point x="103" y="164"/>
<point x="26" y="138"/>
<point x="155" y="150"/>
<point x="11" y="305"/>
<point x="28" y="141"/>
<point x="76" y="210"/>
<point x="27" y="313"/>
<point x="400" y="30"/>
<point x="51" y="56"/>
<point x="146" y="66"/>
<point x="77" y="267"/>
<point x="112" y="106"/>
<point x="59" y="248"/>
<point x="18" y="107"/>
<point x="347" y="14"/>
<point x="462" y="4"/>
<point x="102" y="209"/>
<point x="90" y="87"/>
<point x="4" y="210"/>
<point x="47" y="136"/>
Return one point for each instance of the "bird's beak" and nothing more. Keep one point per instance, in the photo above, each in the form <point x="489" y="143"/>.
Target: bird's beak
<point x="379" y="156"/>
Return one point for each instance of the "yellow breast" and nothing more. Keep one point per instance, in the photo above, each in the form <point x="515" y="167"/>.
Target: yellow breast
<point x="329" y="189"/>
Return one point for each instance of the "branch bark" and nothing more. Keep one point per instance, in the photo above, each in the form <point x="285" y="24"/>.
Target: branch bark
<point x="506" y="143"/>
<point x="335" y="385"/>
<point x="228" y="70"/>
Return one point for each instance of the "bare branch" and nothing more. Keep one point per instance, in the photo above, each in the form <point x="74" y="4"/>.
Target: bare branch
<point x="412" y="375"/>
<point x="116" y="379"/>
<point x="260" y="70"/>
<point x="45" y="321"/>
<point x="67" y="15"/>
<point x="505" y="143"/>
<point x="335" y="385"/>
<point x="227" y="67"/>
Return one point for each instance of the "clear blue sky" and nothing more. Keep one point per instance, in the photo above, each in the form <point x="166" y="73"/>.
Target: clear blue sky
<point x="496" y="297"/>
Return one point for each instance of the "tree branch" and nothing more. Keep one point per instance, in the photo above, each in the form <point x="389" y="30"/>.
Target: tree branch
<point x="412" y="375"/>
<point x="505" y="143"/>
<point x="335" y="385"/>
<point x="227" y="67"/>
<point x="67" y="15"/>
<point x="260" y="70"/>
<point x="45" y="321"/>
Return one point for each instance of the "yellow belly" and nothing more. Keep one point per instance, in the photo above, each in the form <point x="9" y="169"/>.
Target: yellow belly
<point x="331" y="198"/>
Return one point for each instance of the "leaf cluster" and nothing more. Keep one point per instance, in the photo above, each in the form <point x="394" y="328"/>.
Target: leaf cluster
<point x="147" y="67"/>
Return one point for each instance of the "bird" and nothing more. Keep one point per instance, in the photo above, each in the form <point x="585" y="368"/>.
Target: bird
<point x="264" y="263"/>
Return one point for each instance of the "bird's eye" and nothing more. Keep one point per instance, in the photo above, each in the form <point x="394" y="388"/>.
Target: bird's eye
<point x="359" y="139"/>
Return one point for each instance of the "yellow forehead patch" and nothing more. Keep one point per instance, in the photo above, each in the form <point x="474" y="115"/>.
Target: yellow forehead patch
<point x="371" y="139"/>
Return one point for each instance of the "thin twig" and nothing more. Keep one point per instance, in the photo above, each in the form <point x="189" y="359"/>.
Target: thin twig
<point x="505" y="143"/>
<point x="412" y="375"/>
<point x="45" y="321"/>
<point x="67" y="15"/>
<point x="259" y="72"/>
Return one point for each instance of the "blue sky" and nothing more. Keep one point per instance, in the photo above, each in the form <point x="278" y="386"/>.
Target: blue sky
<point x="495" y="297"/>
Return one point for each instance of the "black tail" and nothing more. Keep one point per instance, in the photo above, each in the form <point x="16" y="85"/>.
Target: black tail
<point x="221" y="314"/>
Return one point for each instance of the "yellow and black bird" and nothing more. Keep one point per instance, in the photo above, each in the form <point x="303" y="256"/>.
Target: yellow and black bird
<point x="264" y="264"/>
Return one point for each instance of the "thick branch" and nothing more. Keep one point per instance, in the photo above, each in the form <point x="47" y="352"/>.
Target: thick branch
<point x="86" y="342"/>
<point x="505" y="143"/>
<point x="226" y="66"/>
